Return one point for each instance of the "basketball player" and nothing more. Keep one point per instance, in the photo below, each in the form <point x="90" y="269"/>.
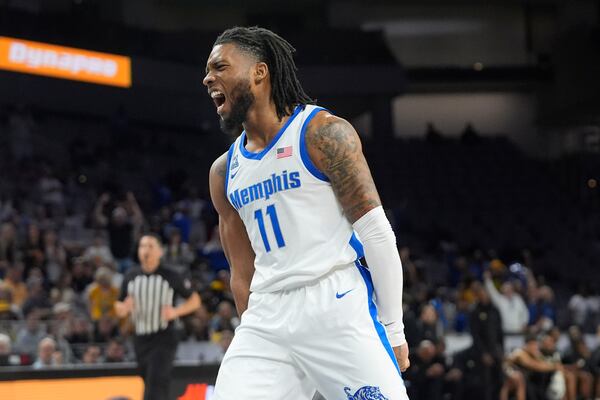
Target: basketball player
<point x="297" y="210"/>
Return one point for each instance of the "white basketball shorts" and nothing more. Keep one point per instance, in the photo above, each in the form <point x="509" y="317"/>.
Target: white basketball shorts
<point x="322" y="337"/>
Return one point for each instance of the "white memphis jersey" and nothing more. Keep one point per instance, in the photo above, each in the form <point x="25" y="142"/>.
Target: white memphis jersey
<point x="294" y="221"/>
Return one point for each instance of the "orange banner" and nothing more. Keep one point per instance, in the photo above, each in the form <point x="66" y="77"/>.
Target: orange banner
<point x="64" y="62"/>
<point x="123" y="387"/>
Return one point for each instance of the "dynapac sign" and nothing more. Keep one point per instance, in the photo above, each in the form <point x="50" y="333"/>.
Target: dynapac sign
<point x="64" y="62"/>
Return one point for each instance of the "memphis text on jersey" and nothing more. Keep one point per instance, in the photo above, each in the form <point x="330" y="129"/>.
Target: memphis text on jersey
<point x="265" y="189"/>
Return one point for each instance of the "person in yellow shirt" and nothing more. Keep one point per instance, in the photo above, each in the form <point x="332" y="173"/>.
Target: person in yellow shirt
<point x="102" y="295"/>
<point x="13" y="281"/>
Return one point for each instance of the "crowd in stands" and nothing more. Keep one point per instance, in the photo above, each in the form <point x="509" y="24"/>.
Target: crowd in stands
<point x="65" y="245"/>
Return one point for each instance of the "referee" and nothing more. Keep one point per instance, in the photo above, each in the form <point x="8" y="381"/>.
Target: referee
<point x="148" y="294"/>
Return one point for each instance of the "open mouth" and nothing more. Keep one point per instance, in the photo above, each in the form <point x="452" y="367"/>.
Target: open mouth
<point x="219" y="100"/>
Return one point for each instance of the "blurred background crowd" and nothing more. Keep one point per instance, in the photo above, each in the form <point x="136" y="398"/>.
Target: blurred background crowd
<point x="480" y="124"/>
<point x="478" y="317"/>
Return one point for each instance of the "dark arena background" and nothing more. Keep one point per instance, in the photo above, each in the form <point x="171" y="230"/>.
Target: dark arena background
<point x="480" y="121"/>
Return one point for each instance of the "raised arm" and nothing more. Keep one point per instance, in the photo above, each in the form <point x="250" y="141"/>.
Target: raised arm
<point x="234" y="238"/>
<point x="495" y="295"/>
<point x="99" y="217"/>
<point x="137" y="216"/>
<point x="335" y="149"/>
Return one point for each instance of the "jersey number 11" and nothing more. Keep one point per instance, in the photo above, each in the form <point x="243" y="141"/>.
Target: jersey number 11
<point x="272" y="213"/>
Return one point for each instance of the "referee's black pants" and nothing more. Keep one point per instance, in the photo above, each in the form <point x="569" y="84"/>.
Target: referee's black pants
<point x="155" y="354"/>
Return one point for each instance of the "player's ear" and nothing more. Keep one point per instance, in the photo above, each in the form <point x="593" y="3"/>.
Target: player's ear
<point x="261" y="71"/>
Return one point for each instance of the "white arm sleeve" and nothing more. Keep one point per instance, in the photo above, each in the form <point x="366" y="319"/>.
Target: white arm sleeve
<point x="379" y="243"/>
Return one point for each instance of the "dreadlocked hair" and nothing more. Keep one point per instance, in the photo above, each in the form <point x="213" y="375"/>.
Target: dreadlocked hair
<point x="277" y="53"/>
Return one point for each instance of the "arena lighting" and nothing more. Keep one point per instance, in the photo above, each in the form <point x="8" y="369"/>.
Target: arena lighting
<point x="64" y="62"/>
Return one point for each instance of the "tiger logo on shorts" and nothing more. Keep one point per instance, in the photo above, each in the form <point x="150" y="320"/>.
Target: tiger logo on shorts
<point x="365" y="393"/>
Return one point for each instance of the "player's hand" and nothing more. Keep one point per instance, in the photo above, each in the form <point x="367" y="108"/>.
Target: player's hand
<point x="169" y="313"/>
<point x="401" y="353"/>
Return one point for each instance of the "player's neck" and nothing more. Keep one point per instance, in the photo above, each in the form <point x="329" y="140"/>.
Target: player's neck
<point x="261" y="126"/>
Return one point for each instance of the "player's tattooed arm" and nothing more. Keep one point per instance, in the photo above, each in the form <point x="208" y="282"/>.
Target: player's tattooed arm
<point x="234" y="238"/>
<point x="335" y="149"/>
<point x="219" y="167"/>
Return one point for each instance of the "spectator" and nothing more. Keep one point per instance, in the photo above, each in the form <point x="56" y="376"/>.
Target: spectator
<point x="488" y="342"/>
<point x="81" y="275"/>
<point x="213" y="252"/>
<point x="197" y="325"/>
<point x="105" y="329"/>
<point x="510" y="304"/>
<point x="182" y="223"/>
<point x="78" y="334"/>
<point x="426" y="373"/>
<point x="411" y="276"/>
<point x="7" y="310"/>
<point x="514" y="383"/>
<point x="594" y="364"/>
<point x="30" y="335"/>
<point x="577" y="362"/>
<point x="38" y="298"/>
<point x="51" y="193"/>
<point x="582" y="306"/>
<point x="177" y="253"/>
<point x="426" y="326"/>
<point x="114" y="352"/>
<point x="48" y="356"/>
<point x="196" y="207"/>
<point x="6" y="356"/>
<point x="542" y="313"/>
<point x="55" y="256"/>
<point x="33" y="250"/>
<point x="63" y="291"/>
<point x="98" y="253"/>
<point x="477" y="265"/>
<point x="225" y="319"/>
<point x="461" y="317"/>
<point x="5" y="345"/>
<point x="13" y="282"/>
<point x="225" y="339"/>
<point x="8" y="245"/>
<point x="125" y="221"/>
<point x="102" y="295"/>
<point x="92" y="355"/>
<point x="549" y="353"/>
<point x="465" y="291"/>
<point x="464" y="375"/>
<point x="538" y="371"/>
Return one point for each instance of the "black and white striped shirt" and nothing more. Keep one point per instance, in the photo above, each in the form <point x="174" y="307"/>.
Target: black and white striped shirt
<point x="150" y="293"/>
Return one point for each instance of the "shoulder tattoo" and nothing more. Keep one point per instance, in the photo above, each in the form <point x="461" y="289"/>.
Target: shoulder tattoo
<point x="341" y="159"/>
<point x="220" y="166"/>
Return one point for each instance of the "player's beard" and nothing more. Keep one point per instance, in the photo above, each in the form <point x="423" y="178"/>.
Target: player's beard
<point x="241" y="100"/>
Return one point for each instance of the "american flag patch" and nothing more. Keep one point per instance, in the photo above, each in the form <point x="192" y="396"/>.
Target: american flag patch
<point x="283" y="152"/>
